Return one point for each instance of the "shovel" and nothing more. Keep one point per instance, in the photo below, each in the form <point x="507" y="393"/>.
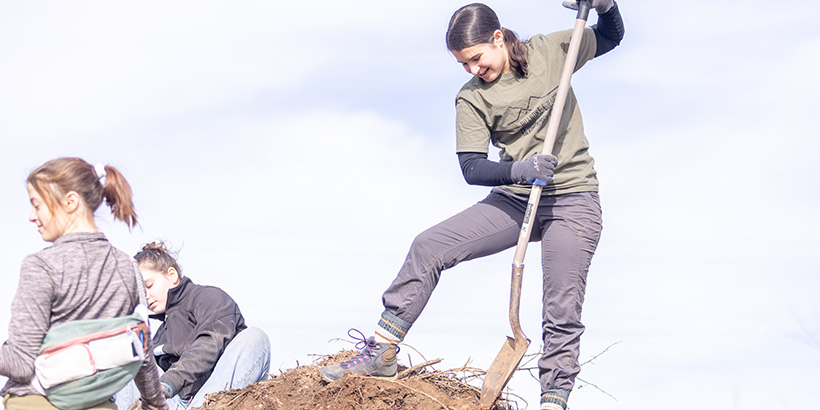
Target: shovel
<point x="514" y="348"/>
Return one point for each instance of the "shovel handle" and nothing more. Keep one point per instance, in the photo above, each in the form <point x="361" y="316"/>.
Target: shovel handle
<point x="566" y="76"/>
<point x="535" y="195"/>
<point x="510" y="356"/>
<point x="583" y="10"/>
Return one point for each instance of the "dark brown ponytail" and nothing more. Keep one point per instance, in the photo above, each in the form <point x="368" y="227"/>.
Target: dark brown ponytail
<point x="475" y="24"/>
<point x="56" y="178"/>
<point x="517" y="52"/>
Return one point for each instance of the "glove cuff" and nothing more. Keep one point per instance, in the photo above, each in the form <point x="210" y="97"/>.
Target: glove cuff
<point x="602" y="9"/>
<point x="169" y="393"/>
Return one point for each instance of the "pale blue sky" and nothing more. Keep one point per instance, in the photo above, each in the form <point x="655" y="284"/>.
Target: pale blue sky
<point x="294" y="151"/>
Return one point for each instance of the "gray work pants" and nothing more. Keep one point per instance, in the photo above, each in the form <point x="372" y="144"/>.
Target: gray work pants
<point x="568" y="227"/>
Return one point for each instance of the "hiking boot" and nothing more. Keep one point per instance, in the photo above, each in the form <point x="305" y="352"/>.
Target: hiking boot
<point x="376" y="359"/>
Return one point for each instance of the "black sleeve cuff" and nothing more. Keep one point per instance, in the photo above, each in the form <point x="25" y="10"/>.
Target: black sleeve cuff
<point x="609" y="31"/>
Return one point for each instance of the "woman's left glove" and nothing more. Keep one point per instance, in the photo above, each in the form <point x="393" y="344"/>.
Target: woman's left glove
<point x="167" y="391"/>
<point x="600" y="6"/>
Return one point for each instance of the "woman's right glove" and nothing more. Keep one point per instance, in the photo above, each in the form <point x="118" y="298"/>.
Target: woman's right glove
<point x="537" y="169"/>
<point x="600" y="6"/>
<point x="138" y="404"/>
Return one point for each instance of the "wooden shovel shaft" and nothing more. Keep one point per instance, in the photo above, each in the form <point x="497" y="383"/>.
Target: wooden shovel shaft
<point x="513" y="350"/>
<point x="535" y="194"/>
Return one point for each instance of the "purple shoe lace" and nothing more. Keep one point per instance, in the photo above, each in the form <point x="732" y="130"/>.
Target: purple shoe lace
<point x="362" y="343"/>
<point x="365" y="344"/>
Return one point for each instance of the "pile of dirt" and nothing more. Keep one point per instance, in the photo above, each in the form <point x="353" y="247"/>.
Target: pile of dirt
<point x="302" y="388"/>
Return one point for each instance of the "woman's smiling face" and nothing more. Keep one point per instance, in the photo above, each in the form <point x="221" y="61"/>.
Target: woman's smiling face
<point x="486" y="60"/>
<point x="51" y="226"/>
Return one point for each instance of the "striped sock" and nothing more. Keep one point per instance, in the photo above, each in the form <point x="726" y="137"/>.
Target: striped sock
<point x="391" y="328"/>
<point x="554" y="399"/>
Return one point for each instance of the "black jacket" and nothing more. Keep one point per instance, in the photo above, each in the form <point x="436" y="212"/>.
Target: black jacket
<point x="198" y="323"/>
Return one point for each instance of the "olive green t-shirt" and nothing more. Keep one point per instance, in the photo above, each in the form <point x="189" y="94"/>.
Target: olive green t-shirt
<point x="512" y="113"/>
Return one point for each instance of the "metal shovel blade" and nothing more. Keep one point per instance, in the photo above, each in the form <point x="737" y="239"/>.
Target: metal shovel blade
<point x="502" y="370"/>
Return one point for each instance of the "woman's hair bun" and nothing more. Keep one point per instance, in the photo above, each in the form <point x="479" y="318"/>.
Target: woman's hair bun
<point x="154" y="246"/>
<point x="156" y="255"/>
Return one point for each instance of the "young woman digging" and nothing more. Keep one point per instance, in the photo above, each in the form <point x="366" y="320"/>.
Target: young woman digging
<point x="507" y="104"/>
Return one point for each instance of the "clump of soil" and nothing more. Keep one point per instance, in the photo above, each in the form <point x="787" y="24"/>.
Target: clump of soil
<point x="302" y="388"/>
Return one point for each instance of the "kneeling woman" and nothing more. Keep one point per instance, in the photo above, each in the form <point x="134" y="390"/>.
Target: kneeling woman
<point x="203" y="345"/>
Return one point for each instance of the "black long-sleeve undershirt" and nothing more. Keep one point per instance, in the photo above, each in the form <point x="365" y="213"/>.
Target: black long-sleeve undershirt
<point x="609" y="31"/>
<point x="478" y="170"/>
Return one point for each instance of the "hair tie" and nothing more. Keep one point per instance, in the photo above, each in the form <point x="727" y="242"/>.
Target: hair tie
<point x="99" y="169"/>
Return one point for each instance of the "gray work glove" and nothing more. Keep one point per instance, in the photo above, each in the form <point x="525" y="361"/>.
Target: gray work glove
<point x="138" y="404"/>
<point x="600" y="6"/>
<point x="161" y="404"/>
<point x="537" y="169"/>
<point x="167" y="392"/>
<point x="135" y="405"/>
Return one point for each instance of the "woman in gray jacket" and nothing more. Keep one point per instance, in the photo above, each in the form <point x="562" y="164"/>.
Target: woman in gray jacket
<point x="80" y="276"/>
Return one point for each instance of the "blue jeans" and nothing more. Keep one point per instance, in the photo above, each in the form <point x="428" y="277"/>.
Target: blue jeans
<point x="246" y="360"/>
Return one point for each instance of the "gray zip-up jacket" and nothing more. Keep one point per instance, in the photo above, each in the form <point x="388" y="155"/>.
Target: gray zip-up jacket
<point x="81" y="276"/>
